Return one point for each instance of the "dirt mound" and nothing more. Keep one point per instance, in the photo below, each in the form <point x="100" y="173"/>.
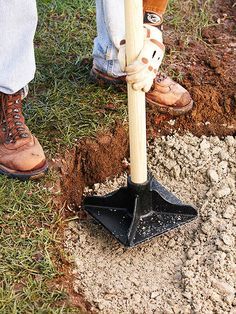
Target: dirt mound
<point x="209" y="70"/>
<point x="92" y="160"/>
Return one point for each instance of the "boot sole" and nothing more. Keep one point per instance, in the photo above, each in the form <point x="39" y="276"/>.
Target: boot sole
<point x="104" y="80"/>
<point x="24" y="176"/>
<point x="173" y="111"/>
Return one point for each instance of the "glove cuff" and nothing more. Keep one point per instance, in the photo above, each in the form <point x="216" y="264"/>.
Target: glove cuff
<point x="153" y="32"/>
<point x="153" y="19"/>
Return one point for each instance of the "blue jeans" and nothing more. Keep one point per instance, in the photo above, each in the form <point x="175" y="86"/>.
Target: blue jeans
<point x="110" y="31"/>
<point x="18" y="21"/>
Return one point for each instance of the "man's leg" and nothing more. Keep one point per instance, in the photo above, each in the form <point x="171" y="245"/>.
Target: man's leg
<point x="110" y="30"/>
<point x="167" y="95"/>
<point x="21" y="155"/>
<point x="18" y="21"/>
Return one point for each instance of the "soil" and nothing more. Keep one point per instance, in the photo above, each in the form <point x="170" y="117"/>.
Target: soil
<point x="209" y="74"/>
<point x="92" y="160"/>
<point x="189" y="270"/>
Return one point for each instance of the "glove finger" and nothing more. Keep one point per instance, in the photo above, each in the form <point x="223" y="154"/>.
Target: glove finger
<point x="137" y="77"/>
<point x="139" y="85"/>
<point x="148" y="85"/>
<point x="147" y="73"/>
<point x="135" y="67"/>
<point x="144" y="85"/>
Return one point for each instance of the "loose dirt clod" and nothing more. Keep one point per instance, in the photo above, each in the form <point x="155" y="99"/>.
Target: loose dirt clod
<point x="190" y="270"/>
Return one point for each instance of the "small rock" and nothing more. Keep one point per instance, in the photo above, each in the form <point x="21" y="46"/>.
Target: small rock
<point x="171" y="243"/>
<point x="137" y="298"/>
<point x="223" y="155"/>
<point x="135" y="281"/>
<point x="82" y="238"/>
<point x="230" y="141"/>
<point x="101" y="306"/>
<point x="215" y="297"/>
<point x="96" y="186"/>
<point x="223" y="287"/>
<point x="234" y="305"/>
<point x="187" y="295"/>
<point x="109" y="296"/>
<point x="229" y="212"/>
<point x="171" y="122"/>
<point x="213" y="176"/>
<point x="190" y="253"/>
<point x="207" y="228"/>
<point x="229" y="298"/>
<point x="188" y="274"/>
<point x="216" y="150"/>
<point x="223" y="165"/>
<point x="90" y="274"/>
<point x="176" y="309"/>
<point x="228" y="239"/>
<point x="177" y="171"/>
<point x="204" y="145"/>
<point x="171" y="164"/>
<point x="154" y="294"/>
<point x="223" y="191"/>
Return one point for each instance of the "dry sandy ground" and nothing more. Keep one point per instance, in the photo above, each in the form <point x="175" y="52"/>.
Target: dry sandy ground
<point x="189" y="270"/>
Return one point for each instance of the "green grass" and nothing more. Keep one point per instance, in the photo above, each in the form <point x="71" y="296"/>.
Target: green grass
<point x="28" y="235"/>
<point x="189" y="17"/>
<point x="63" y="106"/>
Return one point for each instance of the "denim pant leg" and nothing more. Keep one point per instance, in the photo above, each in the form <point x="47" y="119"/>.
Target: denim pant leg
<point x="18" y="21"/>
<point x="110" y="31"/>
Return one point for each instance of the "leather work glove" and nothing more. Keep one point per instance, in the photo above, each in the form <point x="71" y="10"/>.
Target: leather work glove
<point x="143" y="70"/>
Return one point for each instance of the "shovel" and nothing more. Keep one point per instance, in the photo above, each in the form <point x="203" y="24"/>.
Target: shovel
<point x="144" y="208"/>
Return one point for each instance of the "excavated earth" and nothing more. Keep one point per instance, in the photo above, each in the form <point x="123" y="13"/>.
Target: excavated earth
<point x="209" y="73"/>
<point x="189" y="270"/>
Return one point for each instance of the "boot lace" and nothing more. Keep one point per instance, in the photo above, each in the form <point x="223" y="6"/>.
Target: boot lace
<point x="11" y="118"/>
<point x="160" y="77"/>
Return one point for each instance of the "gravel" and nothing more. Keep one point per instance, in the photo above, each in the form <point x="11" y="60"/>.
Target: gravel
<point x="189" y="270"/>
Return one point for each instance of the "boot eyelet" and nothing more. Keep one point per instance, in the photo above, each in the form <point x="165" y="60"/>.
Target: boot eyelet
<point x="24" y="135"/>
<point x="8" y="141"/>
<point x="20" y="129"/>
<point x="16" y="116"/>
<point x="18" y="123"/>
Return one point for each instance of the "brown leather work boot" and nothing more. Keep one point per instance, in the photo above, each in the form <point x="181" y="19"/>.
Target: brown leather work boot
<point x="167" y="95"/>
<point x="21" y="155"/>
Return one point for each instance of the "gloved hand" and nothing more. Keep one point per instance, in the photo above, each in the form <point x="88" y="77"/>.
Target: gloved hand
<point x="143" y="70"/>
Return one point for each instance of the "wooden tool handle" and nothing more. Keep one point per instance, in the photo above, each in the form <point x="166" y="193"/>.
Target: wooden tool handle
<point x="136" y="99"/>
